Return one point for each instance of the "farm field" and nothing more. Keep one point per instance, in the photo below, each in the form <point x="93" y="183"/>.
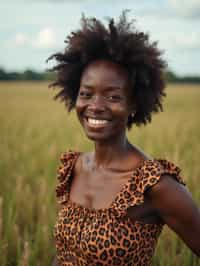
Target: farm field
<point x="35" y="130"/>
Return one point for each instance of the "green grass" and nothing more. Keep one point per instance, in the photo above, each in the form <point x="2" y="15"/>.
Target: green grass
<point x="35" y="130"/>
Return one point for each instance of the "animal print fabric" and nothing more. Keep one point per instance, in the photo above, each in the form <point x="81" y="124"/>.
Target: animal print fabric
<point x="97" y="237"/>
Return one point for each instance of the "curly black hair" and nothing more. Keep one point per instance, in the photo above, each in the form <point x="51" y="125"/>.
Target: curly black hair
<point x="120" y="43"/>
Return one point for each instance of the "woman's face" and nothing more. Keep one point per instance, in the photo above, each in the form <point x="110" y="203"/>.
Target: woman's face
<point x="103" y="103"/>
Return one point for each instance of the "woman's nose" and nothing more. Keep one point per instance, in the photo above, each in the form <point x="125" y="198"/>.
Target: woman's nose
<point x="97" y="103"/>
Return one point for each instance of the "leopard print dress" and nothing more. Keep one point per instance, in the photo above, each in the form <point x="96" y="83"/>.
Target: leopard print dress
<point x="97" y="237"/>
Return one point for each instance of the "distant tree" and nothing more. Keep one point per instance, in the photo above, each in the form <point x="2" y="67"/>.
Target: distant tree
<point x="47" y="75"/>
<point x="32" y="75"/>
<point x="170" y="76"/>
<point x="14" y="76"/>
<point x="190" y="79"/>
<point x="3" y="74"/>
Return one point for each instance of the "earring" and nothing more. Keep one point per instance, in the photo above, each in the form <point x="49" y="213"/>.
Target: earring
<point x="131" y="117"/>
<point x="132" y="114"/>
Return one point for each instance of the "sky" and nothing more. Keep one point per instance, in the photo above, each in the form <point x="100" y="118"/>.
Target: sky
<point x="32" y="30"/>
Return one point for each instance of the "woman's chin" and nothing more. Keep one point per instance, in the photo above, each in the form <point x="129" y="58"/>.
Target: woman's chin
<point x="96" y="136"/>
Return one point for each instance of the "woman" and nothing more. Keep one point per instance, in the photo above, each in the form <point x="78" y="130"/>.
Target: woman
<point x="116" y="199"/>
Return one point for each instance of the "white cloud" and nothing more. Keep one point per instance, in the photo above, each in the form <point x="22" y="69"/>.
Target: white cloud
<point x="186" y="8"/>
<point x="180" y="41"/>
<point x="189" y="42"/>
<point x="20" y="39"/>
<point x="46" y="38"/>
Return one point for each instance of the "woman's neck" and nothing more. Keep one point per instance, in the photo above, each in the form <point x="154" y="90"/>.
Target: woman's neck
<point x="108" y="151"/>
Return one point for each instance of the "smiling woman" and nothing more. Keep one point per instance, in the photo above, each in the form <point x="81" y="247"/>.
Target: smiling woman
<point x="102" y="104"/>
<point x="115" y="199"/>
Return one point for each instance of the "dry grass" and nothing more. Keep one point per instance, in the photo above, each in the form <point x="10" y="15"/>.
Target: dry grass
<point x="35" y="130"/>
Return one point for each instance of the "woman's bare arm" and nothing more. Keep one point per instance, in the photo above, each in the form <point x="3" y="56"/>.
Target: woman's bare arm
<point x="178" y="210"/>
<point x="55" y="262"/>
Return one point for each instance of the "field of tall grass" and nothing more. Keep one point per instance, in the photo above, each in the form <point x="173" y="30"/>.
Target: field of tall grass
<point x="34" y="130"/>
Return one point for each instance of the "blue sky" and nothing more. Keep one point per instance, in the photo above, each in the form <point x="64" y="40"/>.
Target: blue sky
<point x="31" y="30"/>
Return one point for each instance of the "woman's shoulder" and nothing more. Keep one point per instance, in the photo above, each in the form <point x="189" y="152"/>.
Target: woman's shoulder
<point x="82" y="159"/>
<point x="136" y="157"/>
<point x="149" y="171"/>
<point x="160" y="174"/>
<point x="77" y="160"/>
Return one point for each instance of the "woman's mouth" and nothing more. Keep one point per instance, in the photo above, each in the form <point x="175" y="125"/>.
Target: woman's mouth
<point x="97" y="122"/>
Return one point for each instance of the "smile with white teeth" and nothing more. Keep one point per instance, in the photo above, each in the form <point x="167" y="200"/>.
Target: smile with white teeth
<point x="96" y="122"/>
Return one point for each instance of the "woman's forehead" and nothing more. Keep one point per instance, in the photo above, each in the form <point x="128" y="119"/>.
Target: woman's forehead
<point x="107" y="71"/>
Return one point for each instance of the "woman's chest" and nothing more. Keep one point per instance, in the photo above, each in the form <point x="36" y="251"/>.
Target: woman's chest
<point x="99" y="235"/>
<point x="97" y="189"/>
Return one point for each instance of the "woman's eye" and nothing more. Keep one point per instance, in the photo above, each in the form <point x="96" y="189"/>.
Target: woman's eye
<point x="114" y="98"/>
<point x="85" y="94"/>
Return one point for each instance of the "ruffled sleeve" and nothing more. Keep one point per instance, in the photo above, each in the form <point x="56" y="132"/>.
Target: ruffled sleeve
<point x="142" y="179"/>
<point x="152" y="171"/>
<point x="64" y="173"/>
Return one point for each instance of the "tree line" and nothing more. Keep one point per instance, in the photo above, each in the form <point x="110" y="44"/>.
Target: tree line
<point x="173" y="78"/>
<point x="46" y="75"/>
<point x="25" y="75"/>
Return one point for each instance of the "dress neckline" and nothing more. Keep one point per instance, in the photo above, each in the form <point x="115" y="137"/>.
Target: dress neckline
<point x="77" y="205"/>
